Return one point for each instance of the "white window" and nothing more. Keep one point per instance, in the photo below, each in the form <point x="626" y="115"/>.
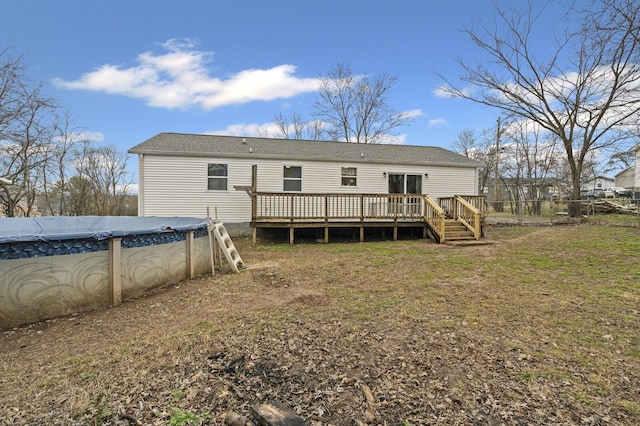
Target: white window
<point x="292" y="178"/>
<point x="217" y="177"/>
<point x="349" y="176"/>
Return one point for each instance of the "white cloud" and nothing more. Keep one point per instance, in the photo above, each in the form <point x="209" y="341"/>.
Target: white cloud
<point x="441" y="92"/>
<point x="82" y="137"/>
<point x="131" y="189"/>
<point x="180" y="78"/>
<point x="246" y="129"/>
<point x="414" y="113"/>
<point x="446" y="92"/>
<point x="256" y="84"/>
<point x="437" y="122"/>
<point x="92" y="136"/>
<point x="393" y="139"/>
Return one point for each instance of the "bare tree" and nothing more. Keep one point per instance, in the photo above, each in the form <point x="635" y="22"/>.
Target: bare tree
<point x="44" y="157"/>
<point x="530" y="163"/>
<point x="26" y="124"/>
<point x="356" y="108"/>
<point x="466" y="143"/>
<point x="480" y="148"/>
<point x="25" y="131"/>
<point x="296" y="127"/>
<point x="62" y="153"/>
<point x="620" y="160"/>
<point x="102" y="180"/>
<point x="585" y="93"/>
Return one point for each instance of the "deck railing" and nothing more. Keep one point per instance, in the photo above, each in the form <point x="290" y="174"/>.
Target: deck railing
<point x="478" y="202"/>
<point x="304" y="209"/>
<point x="453" y="209"/>
<point x="337" y="207"/>
<point x="435" y="216"/>
<point x="469" y="216"/>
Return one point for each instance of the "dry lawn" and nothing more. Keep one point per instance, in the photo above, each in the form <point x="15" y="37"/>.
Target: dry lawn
<point x="540" y="327"/>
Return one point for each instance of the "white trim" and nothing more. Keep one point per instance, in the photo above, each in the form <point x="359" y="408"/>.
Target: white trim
<point x="140" y="184"/>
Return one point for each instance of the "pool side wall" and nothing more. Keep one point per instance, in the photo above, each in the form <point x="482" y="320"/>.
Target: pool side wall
<point x="41" y="280"/>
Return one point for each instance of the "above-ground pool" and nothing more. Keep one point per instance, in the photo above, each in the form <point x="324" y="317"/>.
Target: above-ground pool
<point x="53" y="266"/>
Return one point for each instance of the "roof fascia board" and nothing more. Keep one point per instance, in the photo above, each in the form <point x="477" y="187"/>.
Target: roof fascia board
<point x="296" y="158"/>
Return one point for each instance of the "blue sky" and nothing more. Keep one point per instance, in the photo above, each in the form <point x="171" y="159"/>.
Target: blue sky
<point x="127" y="70"/>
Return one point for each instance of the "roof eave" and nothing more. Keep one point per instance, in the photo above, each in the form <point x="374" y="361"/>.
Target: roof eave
<point x="300" y="158"/>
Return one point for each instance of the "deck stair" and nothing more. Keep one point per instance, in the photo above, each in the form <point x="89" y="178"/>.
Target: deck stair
<point x="456" y="231"/>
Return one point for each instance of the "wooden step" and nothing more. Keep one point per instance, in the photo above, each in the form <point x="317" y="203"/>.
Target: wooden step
<point x="456" y="231"/>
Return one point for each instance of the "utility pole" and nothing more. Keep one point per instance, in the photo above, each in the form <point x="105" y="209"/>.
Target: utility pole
<point x="497" y="155"/>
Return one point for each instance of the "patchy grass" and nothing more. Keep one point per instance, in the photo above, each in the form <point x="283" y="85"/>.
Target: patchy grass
<point x="545" y="318"/>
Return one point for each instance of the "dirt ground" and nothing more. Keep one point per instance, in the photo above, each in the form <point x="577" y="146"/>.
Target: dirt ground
<point x="343" y="334"/>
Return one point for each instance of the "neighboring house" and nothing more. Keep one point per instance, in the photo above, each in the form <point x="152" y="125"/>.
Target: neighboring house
<point x="598" y="183"/>
<point x="514" y="189"/>
<point x="626" y="178"/>
<point x="184" y="174"/>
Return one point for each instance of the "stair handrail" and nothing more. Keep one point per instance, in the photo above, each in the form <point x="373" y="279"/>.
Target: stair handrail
<point x="469" y="216"/>
<point x="434" y="215"/>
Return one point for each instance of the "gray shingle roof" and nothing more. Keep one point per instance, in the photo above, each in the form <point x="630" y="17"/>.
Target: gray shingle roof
<point x="180" y="144"/>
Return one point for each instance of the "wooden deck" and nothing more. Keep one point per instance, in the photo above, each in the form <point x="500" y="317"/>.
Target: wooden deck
<point x="305" y="210"/>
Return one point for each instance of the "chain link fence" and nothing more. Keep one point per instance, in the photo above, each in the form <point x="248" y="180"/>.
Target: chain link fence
<point x="616" y="212"/>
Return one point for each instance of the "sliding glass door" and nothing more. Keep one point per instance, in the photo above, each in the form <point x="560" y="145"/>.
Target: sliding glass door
<point x="402" y="183"/>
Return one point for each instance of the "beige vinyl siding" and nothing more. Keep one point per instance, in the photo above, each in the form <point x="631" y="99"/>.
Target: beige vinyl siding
<point x="448" y="181"/>
<point x="327" y="177"/>
<point x="324" y="177"/>
<point x="177" y="186"/>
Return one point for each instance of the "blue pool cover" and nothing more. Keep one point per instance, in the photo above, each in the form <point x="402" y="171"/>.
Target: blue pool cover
<point x="50" y="228"/>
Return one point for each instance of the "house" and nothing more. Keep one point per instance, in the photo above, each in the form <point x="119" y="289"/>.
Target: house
<point x="184" y="174"/>
<point x="518" y="189"/>
<point x="598" y="183"/>
<point x="626" y="178"/>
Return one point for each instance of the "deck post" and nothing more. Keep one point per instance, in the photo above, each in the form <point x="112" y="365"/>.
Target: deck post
<point x="395" y="219"/>
<point x="326" y="219"/>
<point x="361" y="218"/>
<point x="254" y="200"/>
<point x="291" y="211"/>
